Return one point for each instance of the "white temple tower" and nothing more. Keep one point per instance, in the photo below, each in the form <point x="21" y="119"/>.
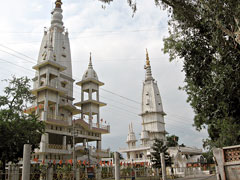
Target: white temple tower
<point x="53" y="89"/>
<point x="153" y="125"/>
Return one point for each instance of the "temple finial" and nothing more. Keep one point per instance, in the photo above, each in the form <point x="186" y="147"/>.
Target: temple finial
<point x="58" y="3"/>
<point x="147" y="58"/>
<point x="90" y="62"/>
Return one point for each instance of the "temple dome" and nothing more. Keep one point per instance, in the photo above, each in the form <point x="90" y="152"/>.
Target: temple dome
<point x="90" y="73"/>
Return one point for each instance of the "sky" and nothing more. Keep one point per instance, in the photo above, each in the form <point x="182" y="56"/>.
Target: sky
<point x="117" y="42"/>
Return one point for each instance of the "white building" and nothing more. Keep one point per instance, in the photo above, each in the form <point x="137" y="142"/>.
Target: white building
<point x="53" y="89"/>
<point x="153" y="125"/>
<point x="187" y="160"/>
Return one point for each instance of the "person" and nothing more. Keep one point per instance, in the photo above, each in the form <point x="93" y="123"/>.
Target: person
<point x="172" y="173"/>
<point x="133" y="175"/>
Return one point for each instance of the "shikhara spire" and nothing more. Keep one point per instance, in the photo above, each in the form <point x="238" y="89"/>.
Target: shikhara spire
<point x="58" y="3"/>
<point x="147" y="58"/>
<point x="90" y="66"/>
<point x="148" y="68"/>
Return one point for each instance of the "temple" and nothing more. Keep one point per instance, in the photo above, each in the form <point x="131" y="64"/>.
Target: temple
<point x="65" y="135"/>
<point x="153" y="125"/>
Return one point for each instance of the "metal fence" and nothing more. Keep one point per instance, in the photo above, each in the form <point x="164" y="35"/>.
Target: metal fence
<point x="65" y="172"/>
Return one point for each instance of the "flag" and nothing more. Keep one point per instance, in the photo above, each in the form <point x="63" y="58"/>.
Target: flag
<point x="60" y="162"/>
<point x="35" y="159"/>
<point x="70" y="161"/>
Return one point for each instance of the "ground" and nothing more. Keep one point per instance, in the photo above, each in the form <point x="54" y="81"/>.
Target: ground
<point x="212" y="177"/>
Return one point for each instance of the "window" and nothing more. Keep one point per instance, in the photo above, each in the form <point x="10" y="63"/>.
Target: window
<point x="63" y="84"/>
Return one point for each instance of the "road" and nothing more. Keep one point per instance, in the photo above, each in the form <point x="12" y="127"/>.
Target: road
<point x="213" y="177"/>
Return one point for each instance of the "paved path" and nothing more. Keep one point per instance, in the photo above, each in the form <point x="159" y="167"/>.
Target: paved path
<point x="212" y="177"/>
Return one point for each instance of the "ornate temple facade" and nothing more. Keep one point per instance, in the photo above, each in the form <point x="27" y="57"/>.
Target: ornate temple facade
<point x="153" y="126"/>
<point x="53" y="89"/>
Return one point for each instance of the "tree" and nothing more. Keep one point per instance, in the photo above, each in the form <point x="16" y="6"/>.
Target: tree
<point x="112" y="155"/>
<point x="16" y="127"/>
<point x="172" y="141"/>
<point x="208" y="156"/>
<point x="205" y="35"/>
<point x="159" y="147"/>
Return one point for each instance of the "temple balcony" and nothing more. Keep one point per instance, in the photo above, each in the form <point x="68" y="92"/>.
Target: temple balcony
<point x="67" y="105"/>
<point x="136" y="160"/>
<point x="55" y="120"/>
<point x="52" y="85"/>
<point x="96" y="127"/>
<point x="54" y="148"/>
<point x="50" y="64"/>
<point x="100" y="153"/>
<point x="135" y="148"/>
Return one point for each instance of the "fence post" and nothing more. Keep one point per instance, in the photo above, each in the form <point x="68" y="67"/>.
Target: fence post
<point x="16" y="176"/>
<point x="26" y="162"/>
<point x="163" y="166"/>
<point x="50" y="173"/>
<point x="10" y="171"/>
<point x="117" y="166"/>
<point x="77" y="173"/>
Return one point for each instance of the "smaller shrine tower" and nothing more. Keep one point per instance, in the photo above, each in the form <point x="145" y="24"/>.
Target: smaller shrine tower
<point x="90" y="104"/>
<point x="131" y="138"/>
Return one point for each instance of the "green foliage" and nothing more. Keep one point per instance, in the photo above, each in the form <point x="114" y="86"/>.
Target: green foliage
<point x="112" y="155"/>
<point x="208" y="156"/>
<point x="17" y="128"/>
<point x="159" y="147"/>
<point x="201" y="35"/>
<point x="172" y="141"/>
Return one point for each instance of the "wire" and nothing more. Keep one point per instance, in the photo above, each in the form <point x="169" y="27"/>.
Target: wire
<point x="123" y="97"/>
